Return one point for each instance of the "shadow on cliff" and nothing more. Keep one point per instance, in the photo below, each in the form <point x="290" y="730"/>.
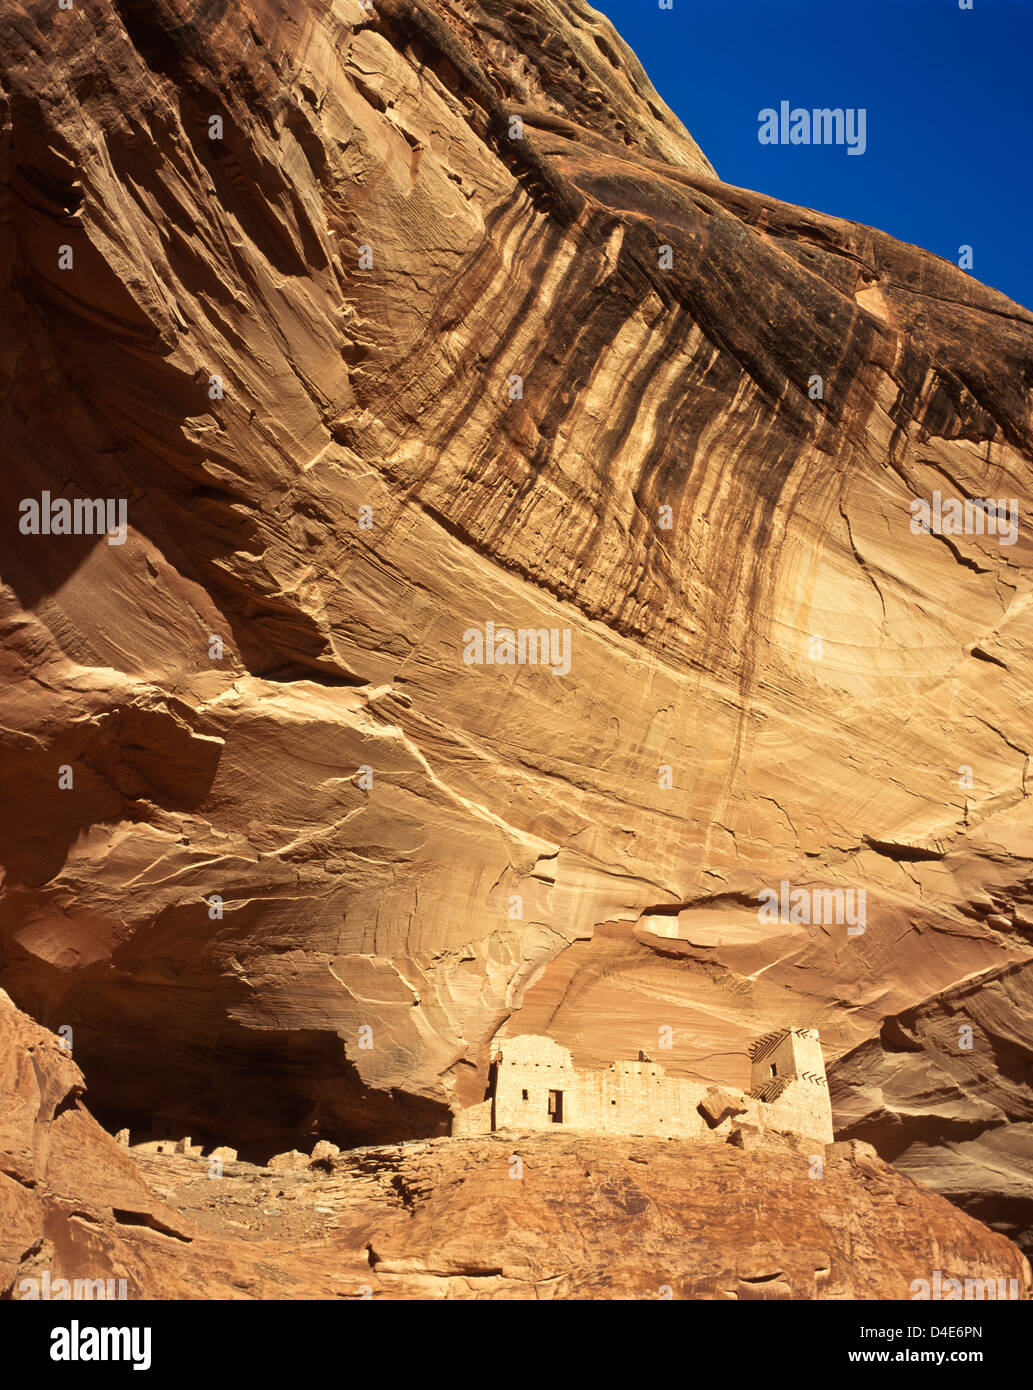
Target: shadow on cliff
<point x="159" y="1063"/>
<point x="266" y="1091"/>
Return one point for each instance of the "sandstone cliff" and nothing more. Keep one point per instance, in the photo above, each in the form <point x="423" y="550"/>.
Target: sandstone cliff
<point x="370" y="371"/>
<point x="945" y="1092"/>
<point x="511" y="1217"/>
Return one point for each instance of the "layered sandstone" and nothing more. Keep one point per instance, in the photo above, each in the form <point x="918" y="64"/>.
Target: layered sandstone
<point x="945" y="1091"/>
<point x="787" y="684"/>
<point x="512" y="1216"/>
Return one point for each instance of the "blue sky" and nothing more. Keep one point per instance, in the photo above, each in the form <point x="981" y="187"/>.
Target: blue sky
<point x="948" y="95"/>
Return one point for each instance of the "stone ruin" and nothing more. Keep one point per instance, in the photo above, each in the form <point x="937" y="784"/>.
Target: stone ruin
<point x="534" y="1085"/>
<point x="323" y="1152"/>
<point x="182" y="1148"/>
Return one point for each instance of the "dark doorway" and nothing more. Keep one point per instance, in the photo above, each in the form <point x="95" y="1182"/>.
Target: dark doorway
<point x="556" y="1107"/>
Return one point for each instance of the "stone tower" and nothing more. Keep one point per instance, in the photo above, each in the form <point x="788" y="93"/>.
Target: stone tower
<point x="788" y="1075"/>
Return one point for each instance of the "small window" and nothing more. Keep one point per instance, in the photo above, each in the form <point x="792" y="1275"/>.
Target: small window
<point x="774" y="1069"/>
<point x="613" y="1102"/>
<point x="523" y="1095"/>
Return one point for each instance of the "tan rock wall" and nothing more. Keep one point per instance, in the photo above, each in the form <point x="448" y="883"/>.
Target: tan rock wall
<point x="813" y="674"/>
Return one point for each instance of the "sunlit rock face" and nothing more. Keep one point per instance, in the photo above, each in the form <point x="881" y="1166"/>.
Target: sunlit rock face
<point x="391" y="324"/>
<point x="589" y="1216"/>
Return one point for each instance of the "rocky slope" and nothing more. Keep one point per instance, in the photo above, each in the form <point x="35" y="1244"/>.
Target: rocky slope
<point x="511" y="1216"/>
<point x="945" y="1092"/>
<point x="386" y="323"/>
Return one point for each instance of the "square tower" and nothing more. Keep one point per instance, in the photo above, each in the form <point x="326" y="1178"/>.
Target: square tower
<point x="789" y="1077"/>
<point x="788" y="1054"/>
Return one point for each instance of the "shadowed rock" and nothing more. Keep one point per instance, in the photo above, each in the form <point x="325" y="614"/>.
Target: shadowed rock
<point x="372" y="370"/>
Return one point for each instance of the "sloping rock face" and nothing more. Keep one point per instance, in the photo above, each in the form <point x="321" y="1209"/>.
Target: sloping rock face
<point x="72" y="1203"/>
<point x="511" y="1216"/>
<point x="945" y="1091"/>
<point x="389" y="323"/>
<point x="596" y="1218"/>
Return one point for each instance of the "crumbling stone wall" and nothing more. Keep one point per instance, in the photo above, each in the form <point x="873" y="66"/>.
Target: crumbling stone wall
<point x="537" y="1087"/>
<point x="536" y="1077"/>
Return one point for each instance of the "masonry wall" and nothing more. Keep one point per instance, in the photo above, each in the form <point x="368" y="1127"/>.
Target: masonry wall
<point x="475" y="1119"/>
<point x="790" y="1052"/>
<point x="633" y="1098"/>
<point x="804" y="1106"/>
<point x="625" y="1098"/>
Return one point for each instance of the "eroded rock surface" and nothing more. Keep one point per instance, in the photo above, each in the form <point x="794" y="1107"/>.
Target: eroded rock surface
<point x="326" y="309"/>
<point x="945" y="1092"/>
<point x="513" y="1216"/>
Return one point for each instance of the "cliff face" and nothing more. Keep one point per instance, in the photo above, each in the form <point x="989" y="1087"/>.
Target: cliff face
<point x="511" y="1216"/>
<point x="390" y="323"/>
<point x="944" y="1089"/>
